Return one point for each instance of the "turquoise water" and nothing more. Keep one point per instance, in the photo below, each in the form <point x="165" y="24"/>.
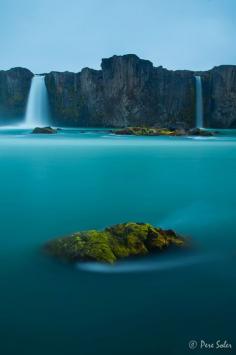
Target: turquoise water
<point x="55" y="185"/>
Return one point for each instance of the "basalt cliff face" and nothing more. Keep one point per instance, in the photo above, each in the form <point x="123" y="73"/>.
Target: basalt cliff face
<point x="127" y="91"/>
<point x="219" y="96"/>
<point x="14" y="90"/>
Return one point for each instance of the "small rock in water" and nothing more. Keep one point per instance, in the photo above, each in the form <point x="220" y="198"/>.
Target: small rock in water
<point x="113" y="243"/>
<point x="154" y="131"/>
<point x="44" y="130"/>
<point x="200" y="132"/>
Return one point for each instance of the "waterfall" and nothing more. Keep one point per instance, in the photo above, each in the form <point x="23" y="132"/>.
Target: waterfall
<point x="199" y="103"/>
<point x="37" y="112"/>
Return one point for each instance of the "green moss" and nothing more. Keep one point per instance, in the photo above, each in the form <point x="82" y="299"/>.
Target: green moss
<point x="145" y="131"/>
<point x="113" y="243"/>
<point x="96" y="246"/>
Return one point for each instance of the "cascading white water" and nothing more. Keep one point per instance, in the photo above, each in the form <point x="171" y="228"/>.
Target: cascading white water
<point x="37" y="112"/>
<point x="199" y="103"/>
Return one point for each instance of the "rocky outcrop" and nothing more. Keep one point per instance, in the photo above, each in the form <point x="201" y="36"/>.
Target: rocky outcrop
<point x="44" y="130"/>
<point x="201" y="132"/>
<point x="14" y="89"/>
<point x="126" y="91"/>
<point x="145" y="131"/>
<point x="114" y="243"/>
<point x="219" y="96"/>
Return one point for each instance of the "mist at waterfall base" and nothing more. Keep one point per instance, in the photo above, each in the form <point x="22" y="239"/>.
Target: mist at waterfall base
<point x="37" y="112"/>
<point x="54" y="185"/>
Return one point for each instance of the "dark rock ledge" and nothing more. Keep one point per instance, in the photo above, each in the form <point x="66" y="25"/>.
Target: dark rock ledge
<point x="44" y="130"/>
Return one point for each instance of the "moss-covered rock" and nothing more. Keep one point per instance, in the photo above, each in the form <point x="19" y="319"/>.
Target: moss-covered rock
<point x="144" y="131"/>
<point x="114" y="243"/>
<point x="147" y="131"/>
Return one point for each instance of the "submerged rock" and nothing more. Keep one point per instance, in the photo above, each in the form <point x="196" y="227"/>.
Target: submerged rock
<point x="114" y="243"/>
<point x="44" y="130"/>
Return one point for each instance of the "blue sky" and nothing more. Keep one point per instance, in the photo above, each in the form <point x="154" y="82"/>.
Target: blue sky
<point x="45" y="35"/>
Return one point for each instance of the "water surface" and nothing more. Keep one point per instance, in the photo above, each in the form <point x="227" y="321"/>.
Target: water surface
<point x="55" y="185"/>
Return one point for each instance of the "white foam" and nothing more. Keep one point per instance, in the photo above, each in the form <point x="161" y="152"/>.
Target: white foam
<point x="155" y="264"/>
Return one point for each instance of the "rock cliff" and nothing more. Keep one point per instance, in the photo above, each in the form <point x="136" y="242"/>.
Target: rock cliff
<point x="126" y="91"/>
<point x="219" y="96"/>
<point x="14" y="89"/>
